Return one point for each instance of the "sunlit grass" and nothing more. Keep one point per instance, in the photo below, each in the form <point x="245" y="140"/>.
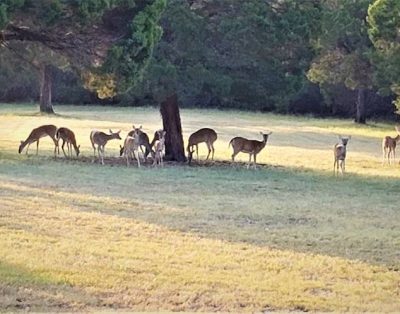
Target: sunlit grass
<point x="290" y="236"/>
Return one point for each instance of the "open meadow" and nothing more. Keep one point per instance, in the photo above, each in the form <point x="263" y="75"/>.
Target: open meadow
<point x="76" y="235"/>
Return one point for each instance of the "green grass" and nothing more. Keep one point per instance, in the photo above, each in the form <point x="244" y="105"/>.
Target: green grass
<point x="289" y="236"/>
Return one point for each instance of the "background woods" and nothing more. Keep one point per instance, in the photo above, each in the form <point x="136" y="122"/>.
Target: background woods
<point x="322" y="57"/>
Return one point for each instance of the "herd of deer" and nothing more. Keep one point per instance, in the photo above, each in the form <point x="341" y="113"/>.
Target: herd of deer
<point x="137" y="139"/>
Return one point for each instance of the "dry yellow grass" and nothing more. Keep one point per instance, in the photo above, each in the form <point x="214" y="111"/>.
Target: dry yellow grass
<point x="77" y="236"/>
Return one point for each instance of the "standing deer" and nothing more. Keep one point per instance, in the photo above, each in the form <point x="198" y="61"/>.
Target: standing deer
<point x="389" y="146"/>
<point x="251" y="147"/>
<point x="143" y="141"/>
<point x="36" y="134"/>
<point x="159" y="148"/>
<point x="339" y="153"/>
<point x="205" y="135"/>
<point x="67" y="136"/>
<point x="100" y="139"/>
<point x="131" y="147"/>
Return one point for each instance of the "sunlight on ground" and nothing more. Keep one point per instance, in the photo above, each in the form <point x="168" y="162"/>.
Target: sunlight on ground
<point x="129" y="263"/>
<point x="78" y="236"/>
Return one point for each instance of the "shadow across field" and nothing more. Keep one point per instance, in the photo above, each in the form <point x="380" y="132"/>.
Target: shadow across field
<point x="305" y="211"/>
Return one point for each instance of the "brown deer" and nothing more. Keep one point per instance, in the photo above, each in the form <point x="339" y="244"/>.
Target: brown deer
<point x="100" y="139"/>
<point x="339" y="153"/>
<point x="143" y="141"/>
<point x="389" y="146"/>
<point x="36" y="134"/>
<point x="251" y="147"/>
<point x="159" y="148"/>
<point x="68" y="137"/>
<point x="156" y="138"/>
<point x="131" y="147"/>
<point x="205" y="135"/>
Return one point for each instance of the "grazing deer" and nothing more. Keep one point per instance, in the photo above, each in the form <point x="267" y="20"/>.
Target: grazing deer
<point x="205" y="135"/>
<point x="389" y="146"/>
<point x="143" y="141"/>
<point x="131" y="147"/>
<point x="100" y="139"/>
<point x="67" y="136"/>
<point x="159" y="148"/>
<point x="251" y="147"/>
<point x="339" y="153"/>
<point x="36" y="134"/>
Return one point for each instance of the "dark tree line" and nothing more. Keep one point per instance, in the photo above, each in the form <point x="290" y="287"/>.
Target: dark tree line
<point x="326" y="57"/>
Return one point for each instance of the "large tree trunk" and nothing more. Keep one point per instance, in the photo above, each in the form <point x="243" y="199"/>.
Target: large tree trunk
<point x="174" y="148"/>
<point x="360" y="106"/>
<point x="45" y="90"/>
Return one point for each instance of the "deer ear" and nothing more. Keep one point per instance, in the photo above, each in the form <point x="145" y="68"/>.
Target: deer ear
<point x="22" y="142"/>
<point x="270" y="133"/>
<point x="140" y="127"/>
<point x="79" y="146"/>
<point x="261" y="133"/>
<point x="133" y="126"/>
<point x="119" y="132"/>
<point x="340" y="137"/>
<point x="349" y="136"/>
<point x="120" y="146"/>
<point x="110" y="131"/>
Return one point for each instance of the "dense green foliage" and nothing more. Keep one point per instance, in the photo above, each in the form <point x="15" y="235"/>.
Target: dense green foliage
<point x="97" y="38"/>
<point x="286" y="56"/>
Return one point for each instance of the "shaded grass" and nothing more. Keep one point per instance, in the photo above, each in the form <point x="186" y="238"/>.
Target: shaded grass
<point x="125" y="263"/>
<point x="201" y="238"/>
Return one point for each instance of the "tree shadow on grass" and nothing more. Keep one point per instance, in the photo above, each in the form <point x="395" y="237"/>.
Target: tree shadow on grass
<point x="354" y="217"/>
<point x="23" y="290"/>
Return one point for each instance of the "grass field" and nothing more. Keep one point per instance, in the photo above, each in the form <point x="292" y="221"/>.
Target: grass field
<point x="288" y="236"/>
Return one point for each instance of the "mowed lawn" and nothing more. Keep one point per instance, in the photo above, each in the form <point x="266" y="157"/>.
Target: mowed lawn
<point x="288" y="236"/>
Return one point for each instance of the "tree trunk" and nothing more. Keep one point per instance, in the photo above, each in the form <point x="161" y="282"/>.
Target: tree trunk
<point x="45" y="90"/>
<point x="174" y="148"/>
<point x="360" y="106"/>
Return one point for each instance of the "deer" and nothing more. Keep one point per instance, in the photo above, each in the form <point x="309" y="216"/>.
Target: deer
<point x="159" y="148"/>
<point x="131" y="147"/>
<point x="143" y="141"/>
<point x="100" y="139"/>
<point x="389" y="146"/>
<point x="36" y="134"/>
<point x="251" y="147"/>
<point x="67" y="136"/>
<point x="205" y="135"/>
<point x="339" y="154"/>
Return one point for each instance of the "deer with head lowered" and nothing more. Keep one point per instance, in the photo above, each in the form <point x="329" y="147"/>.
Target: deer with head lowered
<point x="36" y="134"/>
<point x="143" y="140"/>
<point x="205" y="135"/>
<point x="100" y="139"/>
<point x="389" y="146"/>
<point x="339" y="153"/>
<point x="251" y="147"/>
<point x="68" y="137"/>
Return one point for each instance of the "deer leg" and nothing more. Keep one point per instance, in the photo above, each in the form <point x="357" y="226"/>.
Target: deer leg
<point x="137" y="157"/>
<point x="37" y="147"/>
<point x="55" y="146"/>
<point x="62" y="147"/>
<point x="248" y="165"/>
<point x="383" y="155"/>
<point x="27" y="149"/>
<point x="213" y="150"/>
<point x="394" y="155"/>
<point x="255" y="161"/>
<point x="209" y="150"/>
<point x="127" y="159"/>
<point x="197" y="151"/>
